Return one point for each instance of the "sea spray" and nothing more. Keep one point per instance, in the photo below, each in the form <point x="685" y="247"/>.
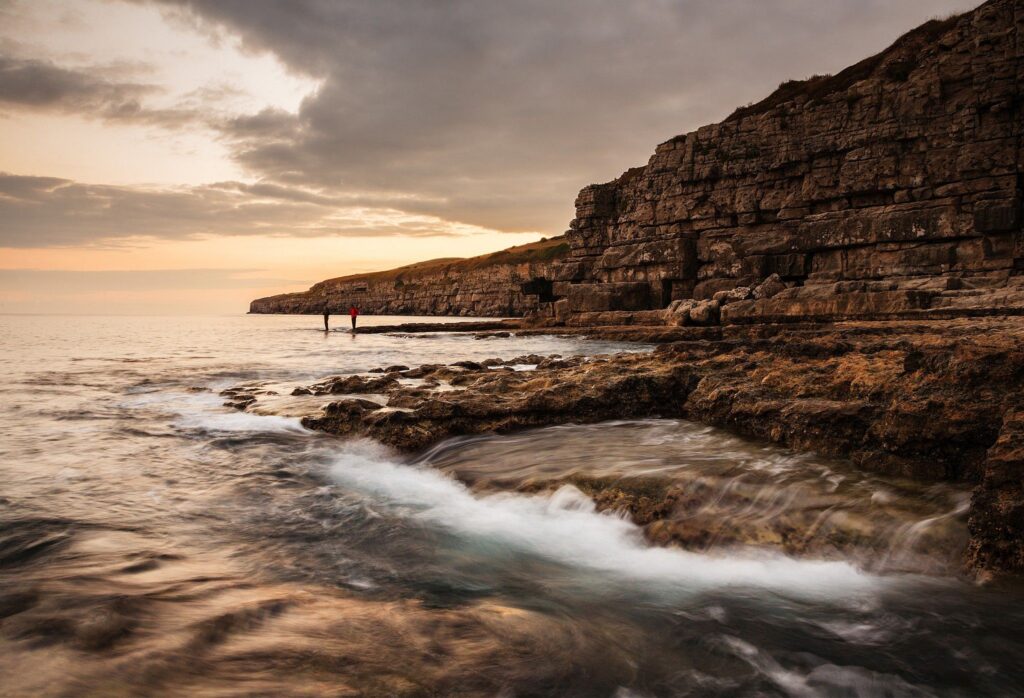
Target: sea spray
<point x="706" y="490"/>
<point x="205" y="412"/>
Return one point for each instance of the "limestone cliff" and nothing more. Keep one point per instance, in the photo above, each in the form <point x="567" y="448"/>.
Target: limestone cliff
<point x="490" y="285"/>
<point x="895" y="184"/>
<point x="892" y="188"/>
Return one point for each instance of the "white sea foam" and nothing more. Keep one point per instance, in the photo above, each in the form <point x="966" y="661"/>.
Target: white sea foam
<point x="565" y="528"/>
<point x="240" y="422"/>
<point x="206" y="412"/>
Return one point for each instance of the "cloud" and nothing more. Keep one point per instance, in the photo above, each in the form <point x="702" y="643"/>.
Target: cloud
<point x="50" y="211"/>
<point x="498" y="112"/>
<point x="436" y="117"/>
<point x="98" y="91"/>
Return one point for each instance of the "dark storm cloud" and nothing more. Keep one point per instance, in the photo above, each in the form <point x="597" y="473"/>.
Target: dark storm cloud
<point x="492" y="113"/>
<point x="41" y="85"/>
<point x="500" y="111"/>
<point x="48" y="211"/>
<point x="38" y="83"/>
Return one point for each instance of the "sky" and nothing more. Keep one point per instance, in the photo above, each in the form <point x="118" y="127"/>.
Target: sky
<point x="187" y="156"/>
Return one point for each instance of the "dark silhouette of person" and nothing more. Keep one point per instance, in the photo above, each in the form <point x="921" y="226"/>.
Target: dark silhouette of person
<point x="353" y="313"/>
<point x="327" y="316"/>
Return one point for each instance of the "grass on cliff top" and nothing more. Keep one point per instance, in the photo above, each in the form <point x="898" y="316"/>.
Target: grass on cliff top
<point x="541" y="251"/>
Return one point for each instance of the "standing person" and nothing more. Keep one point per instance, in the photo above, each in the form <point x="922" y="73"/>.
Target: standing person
<point x="327" y="316"/>
<point x="353" y="312"/>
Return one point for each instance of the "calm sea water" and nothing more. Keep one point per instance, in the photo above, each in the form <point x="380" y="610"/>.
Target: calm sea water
<point x="154" y="542"/>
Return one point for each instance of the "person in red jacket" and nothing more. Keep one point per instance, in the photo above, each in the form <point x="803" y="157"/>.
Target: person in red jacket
<point x="353" y="312"/>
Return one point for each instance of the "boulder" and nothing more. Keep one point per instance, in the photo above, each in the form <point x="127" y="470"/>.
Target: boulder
<point x="678" y="312"/>
<point x="772" y="286"/>
<point x="705" y="313"/>
<point x="740" y="293"/>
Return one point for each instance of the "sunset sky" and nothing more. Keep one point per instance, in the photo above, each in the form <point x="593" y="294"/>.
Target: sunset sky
<point x="181" y="156"/>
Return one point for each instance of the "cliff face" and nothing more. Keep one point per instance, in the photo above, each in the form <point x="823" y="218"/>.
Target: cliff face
<point x="491" y="285"/>
<point x="899" y="176"/>
<point x="893" y="188"/>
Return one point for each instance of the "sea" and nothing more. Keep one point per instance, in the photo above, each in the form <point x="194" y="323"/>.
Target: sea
<point x="155" y="542"/>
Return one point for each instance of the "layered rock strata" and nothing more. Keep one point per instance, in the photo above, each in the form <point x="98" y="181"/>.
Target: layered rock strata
<point x="487" y="286"/>
<point x="893" y="187"/>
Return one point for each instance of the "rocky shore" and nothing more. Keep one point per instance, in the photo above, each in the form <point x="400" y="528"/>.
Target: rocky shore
<point x="838" y="268"/>
<point x="927" y="400"/>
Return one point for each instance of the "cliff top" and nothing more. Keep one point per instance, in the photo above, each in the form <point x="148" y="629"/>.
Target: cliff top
<point x="540" y="251"/>
<point x="895" y="63"/>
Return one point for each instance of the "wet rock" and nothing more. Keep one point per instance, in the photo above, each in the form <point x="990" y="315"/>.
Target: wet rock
<point x="556" y="361"/>
<point x="505" y="400"/>
<point x="354" y="384"/>
<point x="614" y="318"/>
<point x="423" y="370"/>
<point x="525" y="359"/>
<point x="239" y="398"/>
<point x="408" y="399"/>
<point x="341" y="417"/>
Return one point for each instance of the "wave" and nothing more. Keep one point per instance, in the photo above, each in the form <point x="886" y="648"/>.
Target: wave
<point x="241" y="422"/>
<point x="205" y="412"/>
<point x="566" y="528"/>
